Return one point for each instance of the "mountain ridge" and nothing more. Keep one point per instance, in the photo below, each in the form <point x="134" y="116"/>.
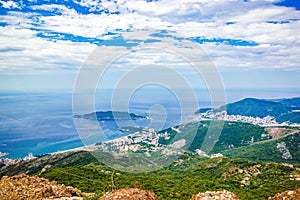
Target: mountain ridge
<point x="257" y="108"/>
<point x="286" y="110"/>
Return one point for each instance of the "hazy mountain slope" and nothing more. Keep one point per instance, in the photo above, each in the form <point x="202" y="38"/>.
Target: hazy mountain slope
<point x="284" y="110"/>
<point x="293" y="117"/>
<point x="257" y="108"/>
<point x="294" y="102"/>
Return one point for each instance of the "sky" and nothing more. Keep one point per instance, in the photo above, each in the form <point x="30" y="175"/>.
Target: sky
<point x="44" y="45"/>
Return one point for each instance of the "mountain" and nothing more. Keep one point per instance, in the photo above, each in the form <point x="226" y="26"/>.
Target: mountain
<point x="185" y="177"/>
<point x="294" y="102"/>
<point x="253" y="162"/>
<point x="33" y="166"/>
<point x="33" y="187"/>
<point x="284" y="149"/>
<point x="246" y="171"/>
<point x="110" y="115"/>
<point x="257" y="108"/>
<point x="292" y="117"/>
<point x="283" y="110"/>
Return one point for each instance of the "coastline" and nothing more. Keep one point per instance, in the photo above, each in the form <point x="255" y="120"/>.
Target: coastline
<point x="88" y="148"/>
<point x="2" y="154"/>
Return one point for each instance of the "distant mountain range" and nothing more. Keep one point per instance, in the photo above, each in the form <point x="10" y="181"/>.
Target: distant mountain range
<point x="294" y="102"/>
<point x="284" y="110"/>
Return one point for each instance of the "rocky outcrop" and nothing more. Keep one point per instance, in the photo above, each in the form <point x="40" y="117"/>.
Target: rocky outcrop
<point x="287" y="195"/>
<point x="247" y="173"/>
<point x="130" y="194"/>
<point x="32" y="187"/>
<point x="220" y="195"/>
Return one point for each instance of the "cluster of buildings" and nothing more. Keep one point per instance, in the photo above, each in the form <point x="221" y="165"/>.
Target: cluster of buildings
<point x="7" y="161"/>
<point x="204" y="154"/>
<point x="145" y="140"/>
<point x="211" y="115"/>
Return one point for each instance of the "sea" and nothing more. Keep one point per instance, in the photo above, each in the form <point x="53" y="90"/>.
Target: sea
<point x="42" y="122"/>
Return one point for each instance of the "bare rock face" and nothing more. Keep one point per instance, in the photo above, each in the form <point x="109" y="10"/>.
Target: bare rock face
<point x="32" y="187"/>
<point x="220" y="195"/>
<point x="287" y="195"/>
<point x="130" y="194"/>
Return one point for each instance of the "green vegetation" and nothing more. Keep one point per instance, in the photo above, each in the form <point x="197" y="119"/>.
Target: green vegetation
<point x="293" y="117"/>
<point x="184" y="180"/>
<point x="233" y="134"/>
<point x="59" y="160"/>
<point x="187" y="132"/>
<point x="252" y="169"/>
<point x="269" y="151"/>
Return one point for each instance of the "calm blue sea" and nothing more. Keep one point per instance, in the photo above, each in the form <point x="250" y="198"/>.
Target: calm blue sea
<point x="40" y="122"/>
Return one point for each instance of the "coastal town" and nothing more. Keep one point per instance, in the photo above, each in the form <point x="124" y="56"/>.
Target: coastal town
<point x="142" y="140"/>
<point x="8" y="161"/>
<point x="147" y="140"/>
<point x="222" y="115"/>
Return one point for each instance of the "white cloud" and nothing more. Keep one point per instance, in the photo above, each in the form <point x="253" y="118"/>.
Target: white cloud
<point x="259" y="57"/>
<point x="24" y="52"/>
<point x="98" y="5"/>
<point x="9" y="4"/>
<point x="278" y="43"/>
<point x="54" y="8"/>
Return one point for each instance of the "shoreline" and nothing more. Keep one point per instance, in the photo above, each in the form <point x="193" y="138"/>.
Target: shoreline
<point x="88" y="148"/>
<point x="92" y="147"/>
<point x="2" y="154"/>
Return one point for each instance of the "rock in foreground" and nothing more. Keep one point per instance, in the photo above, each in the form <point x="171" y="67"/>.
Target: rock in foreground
<point x="33" y="187"/>
<point x="224" y="195"/>
<point x="287" y="195"/>
<point x="130" y="194"/>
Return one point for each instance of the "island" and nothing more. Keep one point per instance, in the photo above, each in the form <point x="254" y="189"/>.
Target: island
<point x="111" y="115"/>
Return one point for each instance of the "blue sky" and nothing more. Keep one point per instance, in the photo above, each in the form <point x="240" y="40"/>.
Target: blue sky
<point x="253" y="44"/>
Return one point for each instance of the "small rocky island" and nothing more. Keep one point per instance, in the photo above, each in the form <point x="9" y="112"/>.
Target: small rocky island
<point x="111" y="115"/>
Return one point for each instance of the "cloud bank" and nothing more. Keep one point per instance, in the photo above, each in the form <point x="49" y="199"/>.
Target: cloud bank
<point x="58" y="35"/>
